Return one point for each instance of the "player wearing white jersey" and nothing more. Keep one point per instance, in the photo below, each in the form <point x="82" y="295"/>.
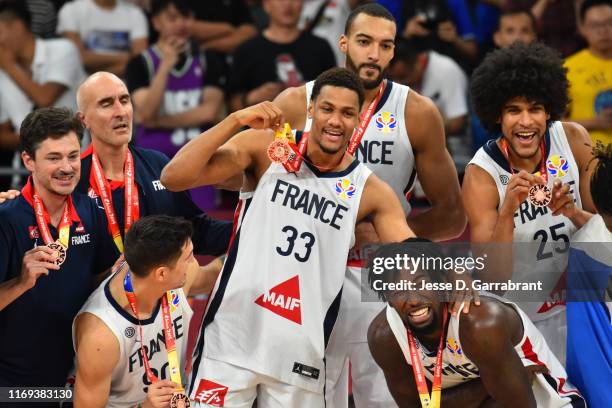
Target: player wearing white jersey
<point x="403" y="137"/>
<point x="275" y="303"/>
<point x="522" y="92"/>
<point x="492" y="357"/>
<point x="124" y="354"/>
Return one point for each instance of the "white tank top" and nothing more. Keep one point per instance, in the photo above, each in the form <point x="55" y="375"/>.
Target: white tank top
<point x="546" y="257"/>
<point x="551" y="391"/>
<point x="276" y="300"/>
<point x="129" y="383"/>
<point x="385" y="147"/>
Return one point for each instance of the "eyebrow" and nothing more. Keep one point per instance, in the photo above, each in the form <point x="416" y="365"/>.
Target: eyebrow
<point x="104" y="100"/>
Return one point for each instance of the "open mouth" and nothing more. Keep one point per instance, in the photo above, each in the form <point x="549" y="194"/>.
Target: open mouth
<point x="333" y="134"/>
<point x="64" y="179"/>
<point x="420" y="315"/>
<point x="121" y="127"/>
<point x="525" y="137"/>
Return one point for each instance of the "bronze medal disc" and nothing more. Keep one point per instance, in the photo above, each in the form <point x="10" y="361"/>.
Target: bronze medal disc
<point x="539" y="195"/>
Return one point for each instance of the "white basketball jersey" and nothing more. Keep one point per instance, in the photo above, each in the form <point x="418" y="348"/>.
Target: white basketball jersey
<point x="277" y="298"/>
<point x="546" y="258"/>
<point x="129" y="383"/>
<point x="385" y="147"/>
<point x="551" y="390"/>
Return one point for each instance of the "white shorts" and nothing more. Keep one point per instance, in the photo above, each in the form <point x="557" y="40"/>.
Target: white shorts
<point x="221" y="384"/>
<point x="348" y="342"/>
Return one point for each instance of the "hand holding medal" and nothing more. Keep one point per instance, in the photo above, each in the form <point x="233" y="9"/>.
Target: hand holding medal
<point x="562" y="202"/>
<point x="37" y="262"/>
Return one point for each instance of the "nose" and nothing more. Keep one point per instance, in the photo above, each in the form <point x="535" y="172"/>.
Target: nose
<point x="334" y="119"/>
<point x="65" y="165"/>
<point x="525" y="118"/>
<point x="373" y="52"/>
<point x="119" y="109"/>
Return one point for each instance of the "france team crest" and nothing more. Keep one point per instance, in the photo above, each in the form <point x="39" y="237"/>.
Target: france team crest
<point x="385" y="122"/>
<point x="345" y="189"/>
<point x="557" y="166"/>
<point x="174" y="301"/>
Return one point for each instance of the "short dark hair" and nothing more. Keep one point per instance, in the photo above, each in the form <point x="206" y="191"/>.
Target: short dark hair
<point x="16" y="9"/>
<point x="154" y="241"/>
<point x="587" y="4"/>
<point x="340" y="77"/>
<point x="516" y="12"/>
<point x="532" y="71"/>
<point x="369" y="9"/>
<point x="158" y="6"/>
<point x="601" y="179"/>
<point x="412" y="247"/>
<point x="407" y="51"/>
<point x="45" y="123"/>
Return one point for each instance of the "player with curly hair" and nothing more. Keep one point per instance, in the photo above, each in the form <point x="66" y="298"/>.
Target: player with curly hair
<point x="531" y="184"/>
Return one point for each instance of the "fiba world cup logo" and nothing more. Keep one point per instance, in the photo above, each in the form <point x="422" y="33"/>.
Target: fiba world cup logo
<point x="453" y="347"/>
<point x="174" y="301"/>
<point x="385" y="122"/>
<point x="557" y="166"/>
<point x="345" y="189"/>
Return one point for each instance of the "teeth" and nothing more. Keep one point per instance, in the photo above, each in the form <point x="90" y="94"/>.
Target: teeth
<point x="419" y="312"/>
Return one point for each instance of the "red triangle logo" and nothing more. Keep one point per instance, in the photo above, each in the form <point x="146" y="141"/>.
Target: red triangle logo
<point x="284" y="300"/>
<point x="557" y="295"/>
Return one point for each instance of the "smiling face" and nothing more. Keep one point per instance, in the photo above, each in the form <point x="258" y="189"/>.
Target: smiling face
<point x="56" y="165"/>
<point x="334" y="115"/>
<point x="106" y="109"/>
<point x="523" y="125"/>
<point x="369" y="48"/>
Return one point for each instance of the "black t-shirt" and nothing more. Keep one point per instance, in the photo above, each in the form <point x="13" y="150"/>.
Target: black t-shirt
<point x="137" y="73"/>
<point x="260" y="60"/>
<point x="235" y="12"/>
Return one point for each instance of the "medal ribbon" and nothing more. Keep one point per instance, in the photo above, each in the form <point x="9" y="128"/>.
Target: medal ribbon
<point x="102" y="187"/>
<point x="294" y="162"/>
<point x="435" y="399"/>
<point x="173" y="360"/>
<point x="365" y="121"/>
<point x="543" y="172"/>
<point x="42" y="216"/>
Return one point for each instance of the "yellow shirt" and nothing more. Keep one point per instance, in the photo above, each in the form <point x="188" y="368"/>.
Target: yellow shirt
<point x="590" y="89"/>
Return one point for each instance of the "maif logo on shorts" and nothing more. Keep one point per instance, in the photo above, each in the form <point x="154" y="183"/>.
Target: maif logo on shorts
<point x="284" y="300"/>
<point x="211" y="393"/>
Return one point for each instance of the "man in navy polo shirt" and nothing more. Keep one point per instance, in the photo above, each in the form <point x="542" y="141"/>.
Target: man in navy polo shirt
<point x="111" y="169"/>
<point x="53" y="244"/>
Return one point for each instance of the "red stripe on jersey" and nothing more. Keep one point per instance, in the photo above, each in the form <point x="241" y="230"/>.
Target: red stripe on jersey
<point x="529" y="354"/>
<point x="235" y="223"/>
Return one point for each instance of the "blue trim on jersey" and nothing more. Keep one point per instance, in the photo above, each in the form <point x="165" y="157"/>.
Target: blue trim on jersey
<point x="385" y="96"/>
<point x="124" y="312"/>
<point x="493" y="150"/>
<point x="323" y="174"/>
<point x="331" y="316"/>
<point x="215" y="302"/>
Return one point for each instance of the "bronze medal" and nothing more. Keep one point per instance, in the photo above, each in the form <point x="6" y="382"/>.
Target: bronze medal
<point x="539" y="195"/>
<point x="279" y="151"/>
<point x="180" y="400"/>
<point x="59" y="251"/>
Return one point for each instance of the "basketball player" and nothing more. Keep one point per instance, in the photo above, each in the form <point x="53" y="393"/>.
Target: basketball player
<point x="403" y="137"/>
<point x="111" y="351"/>
<point x="482" y="361"/>
<point x="521" y="92"/>
<point x="276" y="301"/>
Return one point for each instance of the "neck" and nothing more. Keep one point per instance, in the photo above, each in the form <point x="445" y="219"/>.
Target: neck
<point x="147" y="295"/>
<point x="54" y="204"/>
<point x="26" y="54"/>
<point x="112" y="159"/>
<point x="603" y="54"/>
<point x="521" y="163"/>
<point x="370" y="94"/>
<point x="106" y="4"/>
<point x="323" y="161"/>
<point x="281" y="34"/>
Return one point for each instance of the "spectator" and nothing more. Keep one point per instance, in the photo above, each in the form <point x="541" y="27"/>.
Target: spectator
<point x="221" y="25"/>
<point x="175" y="88"/>
<point x="282" y="56"/>
<point x="590" y="72"/>
<point x="435" y="76"/>
<point x="447" y="24"/>
<point x="556" y="22"/>
<point x="107" y="32"/>
<point x="589" y="329"/>
<point x="513" y="26"/>
<point x="44" y="17"/>
<point x="33" y="73"/>
<point x="439" y="78"/>
<point x="325" y="19"/>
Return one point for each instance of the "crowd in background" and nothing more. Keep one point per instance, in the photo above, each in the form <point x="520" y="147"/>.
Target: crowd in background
<point x="189" y="65"/>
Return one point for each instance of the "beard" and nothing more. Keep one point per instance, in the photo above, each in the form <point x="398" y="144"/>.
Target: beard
<point x="367" y="83"/>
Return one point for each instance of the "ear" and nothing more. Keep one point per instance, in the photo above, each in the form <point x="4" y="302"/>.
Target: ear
<point x="155" y="22"/>
<point x="310" y="109"/>
<point x="81" y="117"/>
<point x="161" y="273"/>
<point x="28" y="161"/>
<point x="343" y="43"/>
<point x="497" y="39"/>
